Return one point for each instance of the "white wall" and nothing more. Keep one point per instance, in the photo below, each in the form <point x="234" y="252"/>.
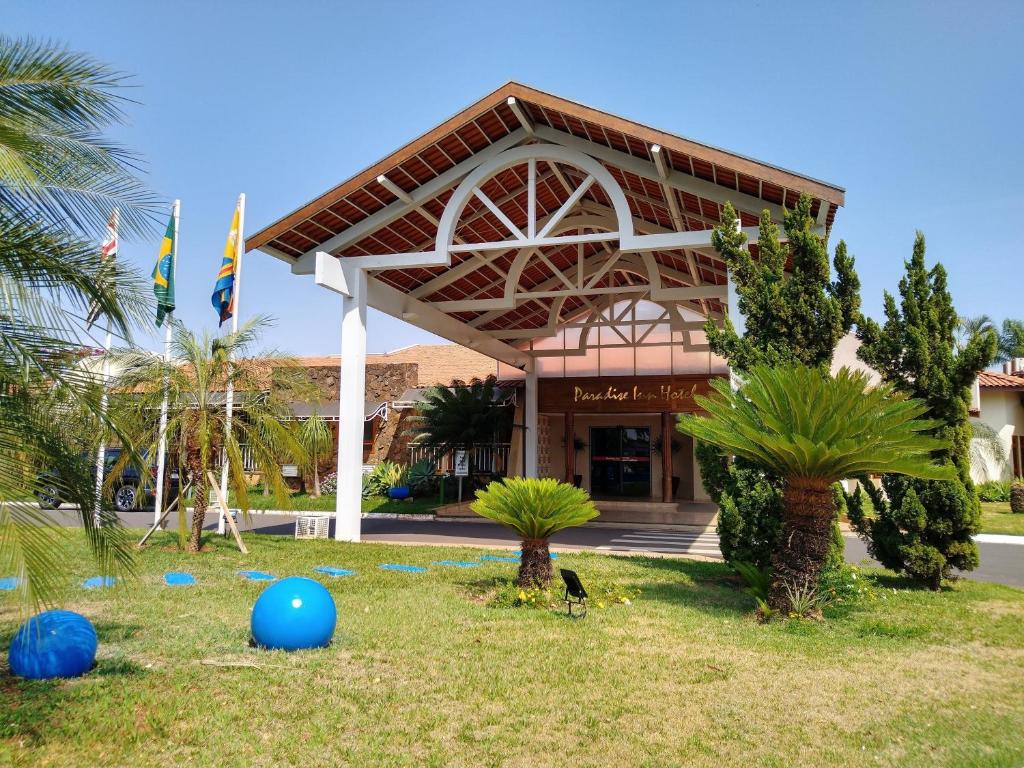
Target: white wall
<point x="1002" y="411"/>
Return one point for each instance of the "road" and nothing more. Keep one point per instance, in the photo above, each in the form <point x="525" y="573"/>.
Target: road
<point x="1002" y="562"/>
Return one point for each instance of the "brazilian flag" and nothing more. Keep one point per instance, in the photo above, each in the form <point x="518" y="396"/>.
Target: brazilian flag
<point x="163" y="275"/>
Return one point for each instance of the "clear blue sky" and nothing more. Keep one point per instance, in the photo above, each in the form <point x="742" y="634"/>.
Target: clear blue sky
<point x="914" y="108"/>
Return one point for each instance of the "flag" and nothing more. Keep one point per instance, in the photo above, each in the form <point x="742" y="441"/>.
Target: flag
<point x="223" y="298"/>
<point x="108" y="252"/>
<point x="163" y="275"/>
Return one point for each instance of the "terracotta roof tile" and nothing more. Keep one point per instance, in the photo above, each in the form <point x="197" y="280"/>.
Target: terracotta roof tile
<point x="437" y="363"/>
<point x="991" y="379"/>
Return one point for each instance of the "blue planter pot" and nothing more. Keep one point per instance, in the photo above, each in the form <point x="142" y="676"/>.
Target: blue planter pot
<point x="399" y="492"/>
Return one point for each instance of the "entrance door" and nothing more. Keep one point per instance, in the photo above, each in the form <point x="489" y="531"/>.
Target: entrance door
<point x="620" y="462"/>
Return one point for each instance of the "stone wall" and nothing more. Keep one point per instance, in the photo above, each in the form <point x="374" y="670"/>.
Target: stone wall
<point x="384" y="381"/>
<point x="398" y="447"/>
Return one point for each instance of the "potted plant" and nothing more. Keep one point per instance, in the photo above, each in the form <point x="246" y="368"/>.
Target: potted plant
<point x="577" y="445"/>
<point x="396" y="480"/>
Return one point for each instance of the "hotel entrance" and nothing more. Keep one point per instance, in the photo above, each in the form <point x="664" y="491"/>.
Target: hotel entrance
<point x="574" y="247"/>
<point x="620" y="462"/>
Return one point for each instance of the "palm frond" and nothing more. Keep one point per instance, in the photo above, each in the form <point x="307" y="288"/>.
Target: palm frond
<point x="534" y="508"/>
<point x="799" y="422"/>
<point x="55" y="105"/>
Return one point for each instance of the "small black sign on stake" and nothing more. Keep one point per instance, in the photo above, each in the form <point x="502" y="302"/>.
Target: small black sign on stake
<point x="575" y="594"/>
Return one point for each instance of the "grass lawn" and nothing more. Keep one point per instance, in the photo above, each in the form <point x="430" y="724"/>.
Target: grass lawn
<point x="996" y="517"/>
<point x="424" y="671"/>
<point x="302" y="502"/>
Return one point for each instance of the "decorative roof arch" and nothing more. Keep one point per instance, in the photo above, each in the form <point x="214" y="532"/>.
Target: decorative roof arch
<point x="526" y="210"/>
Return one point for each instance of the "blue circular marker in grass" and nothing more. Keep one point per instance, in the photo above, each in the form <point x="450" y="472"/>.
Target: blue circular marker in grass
<point x="53" y="644"/>
<point x="500" y="559"/>
<point x="258" y="575"/>
<point x="294" y="614"/>
<point x="99" y="582"/>
<point x="457" y="563"/>
<point x="176" y="579"/>
<point x="332" y="571"/>
<point x="399" y="567"/>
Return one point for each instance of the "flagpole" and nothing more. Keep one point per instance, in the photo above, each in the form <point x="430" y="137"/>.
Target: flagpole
<point x="101" y="451"/>
<point x="236" y="296"/>
<point x="161" y="455"/>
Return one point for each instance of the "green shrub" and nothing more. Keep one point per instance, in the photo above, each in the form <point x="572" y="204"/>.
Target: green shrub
<point x="919" y="527"/>
<point x="925" y="528"/>
<point x="421" y="476"/>
<point x="845" y="586"/>
<point x="384" y="477"/>
<point x="994" y="490"/>
<point x="758" y="580"/>
<point x="750" y="513"/>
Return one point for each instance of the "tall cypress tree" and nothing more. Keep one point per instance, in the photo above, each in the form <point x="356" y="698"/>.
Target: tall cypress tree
<point x="924" y="527"/>
<point x="791" y="318"/>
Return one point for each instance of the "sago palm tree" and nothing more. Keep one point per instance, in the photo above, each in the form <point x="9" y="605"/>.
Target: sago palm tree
<point x="536" y="510"/>
<point x="462" y="416"/>
<point x="196" y="379"/>
<point x="60" y="178"/>
<point x="813" y="429"/>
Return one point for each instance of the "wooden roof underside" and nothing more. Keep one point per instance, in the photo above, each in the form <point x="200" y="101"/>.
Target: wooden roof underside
<point x="488" y="121"/>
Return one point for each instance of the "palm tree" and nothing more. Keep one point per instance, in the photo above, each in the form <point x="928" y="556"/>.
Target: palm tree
<point x="197" y="376"/>
<point x="315" y="437"/>
<point x="536" y="510"/>
<point x="462" y="416"/>
<point x="59" y="180"/>
<point x="1011" y="340"/>
<point x="813" y="430"/>
<point x="969" y="327"/>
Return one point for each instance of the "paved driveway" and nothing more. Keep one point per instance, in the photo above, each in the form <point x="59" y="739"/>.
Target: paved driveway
<point x="1002" y="557"/>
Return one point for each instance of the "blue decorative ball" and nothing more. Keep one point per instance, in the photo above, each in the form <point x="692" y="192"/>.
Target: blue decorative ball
<point x="292" y="614"/>
<point x="53" y="644"/>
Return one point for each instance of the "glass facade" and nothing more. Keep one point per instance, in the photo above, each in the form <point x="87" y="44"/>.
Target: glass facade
<point x="620" y="462"/>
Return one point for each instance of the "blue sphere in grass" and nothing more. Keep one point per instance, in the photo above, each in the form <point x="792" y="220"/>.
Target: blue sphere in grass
<point x="53" y="644"/>
<point x="293" y="614"/>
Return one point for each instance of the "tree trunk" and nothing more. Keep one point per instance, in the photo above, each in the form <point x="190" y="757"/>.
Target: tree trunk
<point x="316" y="481"/>
<point x="198" y="504"/>
<point x="806" y="532"/>
<point x="535" y="565"/>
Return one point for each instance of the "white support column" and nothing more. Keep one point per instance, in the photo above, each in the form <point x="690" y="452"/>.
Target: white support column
<point x="530" y="418"/>
<point x="352" y="393"/>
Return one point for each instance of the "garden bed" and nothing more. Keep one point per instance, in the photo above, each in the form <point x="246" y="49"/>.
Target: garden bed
<point x="301" y="502"/>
